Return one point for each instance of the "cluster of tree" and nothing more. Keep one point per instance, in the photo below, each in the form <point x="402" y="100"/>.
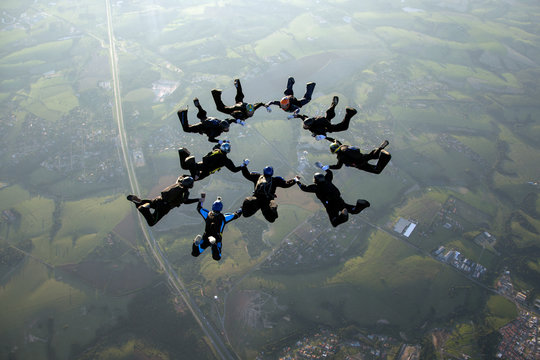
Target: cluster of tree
<point x="11" y="256"/>
<point x="153" y="321"/>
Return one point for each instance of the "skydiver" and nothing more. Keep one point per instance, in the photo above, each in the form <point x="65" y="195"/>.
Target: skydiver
<point x="289" y="102"/>
<point x="264" y="193"/>
<point x="320" y="125"/>
<point x="240" y="111"/>
<point x="215" y="222"/>
<point x="209" y="126"/>
<point x="352" y="156"/>
<point x="211" y="162"/>
<point x="337" y="209"/>
<point x="171" y="197"/>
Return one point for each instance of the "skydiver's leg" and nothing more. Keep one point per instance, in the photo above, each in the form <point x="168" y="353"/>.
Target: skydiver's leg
<point x="198" y="247"/>
<point x="239" y="94"/>
<point x="195" y="128"/>
<point x="182" y="116"/>
<point x="216" y="250"/>
<point x="309" y="92"/>
<point x="331" y="112"/>
<point x="184" y="155"/>
<point x="200" y="171"/>
<point x="384" y="159"/>
<point x="160" y="210"/>
<point x="361" y="204"/>
<point x="337" y="214"/>
<point x="344" y="124"/>
<point x="136" y="200"/>
<point x="148" y="215"/>
<point x="376" y="152"/>
<point x="289" y="90"/>
<point x="269" y="211"/>
<point x="250" y="206"/>
<point x="201" y="114"/>
<point x="187" y="162"/>
<point x="220" y="106"/>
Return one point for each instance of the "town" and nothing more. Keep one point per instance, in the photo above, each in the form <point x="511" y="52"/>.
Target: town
<point x="460" y="262"/>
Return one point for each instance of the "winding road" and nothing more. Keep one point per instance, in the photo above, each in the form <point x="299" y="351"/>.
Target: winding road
<point x="220" y="348"/>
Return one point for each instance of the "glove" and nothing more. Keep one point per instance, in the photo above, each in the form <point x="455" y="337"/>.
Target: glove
<point x="268" y="109"/>
<point x="297" y="178"/>
<point x="320" y="137"/>
<point x="318" y="164"/>
<point x="290" y="116"/>
<point x="242" y="122"/>
<point x="246" y="162"/>
<point x="325" y="167"/>
<point x="220" y="142"/>
<point x="296" y="112"/>
<point x="239" y="212"/>
<point x="238" y="121"/>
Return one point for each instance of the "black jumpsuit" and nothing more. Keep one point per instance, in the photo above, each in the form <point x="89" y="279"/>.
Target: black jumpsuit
<point x="209" y="126"/>
<point x="264" y="194"/>
<point x="330" y="197"/>
<point x="321" y="125"/>
<point x="352" y="156"/>
<point x="238" y="110"/>
<point x="295" y="104"/>
<point x="171" y="197"/>
<point x="210" y="163"/>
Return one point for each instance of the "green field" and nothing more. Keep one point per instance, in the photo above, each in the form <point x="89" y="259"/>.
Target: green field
<point x="408" y="291"/>
<point x="50" y="306"/>
<point x="454" y="89"/>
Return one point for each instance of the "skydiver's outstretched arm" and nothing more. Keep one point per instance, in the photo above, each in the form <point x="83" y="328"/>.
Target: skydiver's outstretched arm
<point x="282" y="183"/>
<point x="232" y="216"/>
<point x="337" y="166"/>
<point x="230" y="165"/>
<point x="251" y="176"/>
<point x="276" y="102"/>
<point x="307" y="188"/>
<point x="331" y="139"/>
<point x="329" y="176"/>
<point x="191" y="201"/>
<point x="258" y="105"/>
<point x="202" y="211"/>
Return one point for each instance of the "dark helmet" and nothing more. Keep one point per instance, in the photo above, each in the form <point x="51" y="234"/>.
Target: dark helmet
<point x="334" y="147"/>
<point x="217" y="205"/>
<point x="308" y="122"/>
<point x="268" y="171"/>
<point x="250" y="109"/>
<point x="285" y="102"/>
<point x="186" y="181"/>
<point x="318" y="178"/>
<point x="225" y="147"/>
<point x="224" y="125"/>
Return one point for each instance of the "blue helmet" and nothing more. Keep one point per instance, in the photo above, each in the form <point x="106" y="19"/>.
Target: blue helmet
<point x="225" y="147"/>
<point x="268" y="171"/>
<point x="217" y="205"/>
